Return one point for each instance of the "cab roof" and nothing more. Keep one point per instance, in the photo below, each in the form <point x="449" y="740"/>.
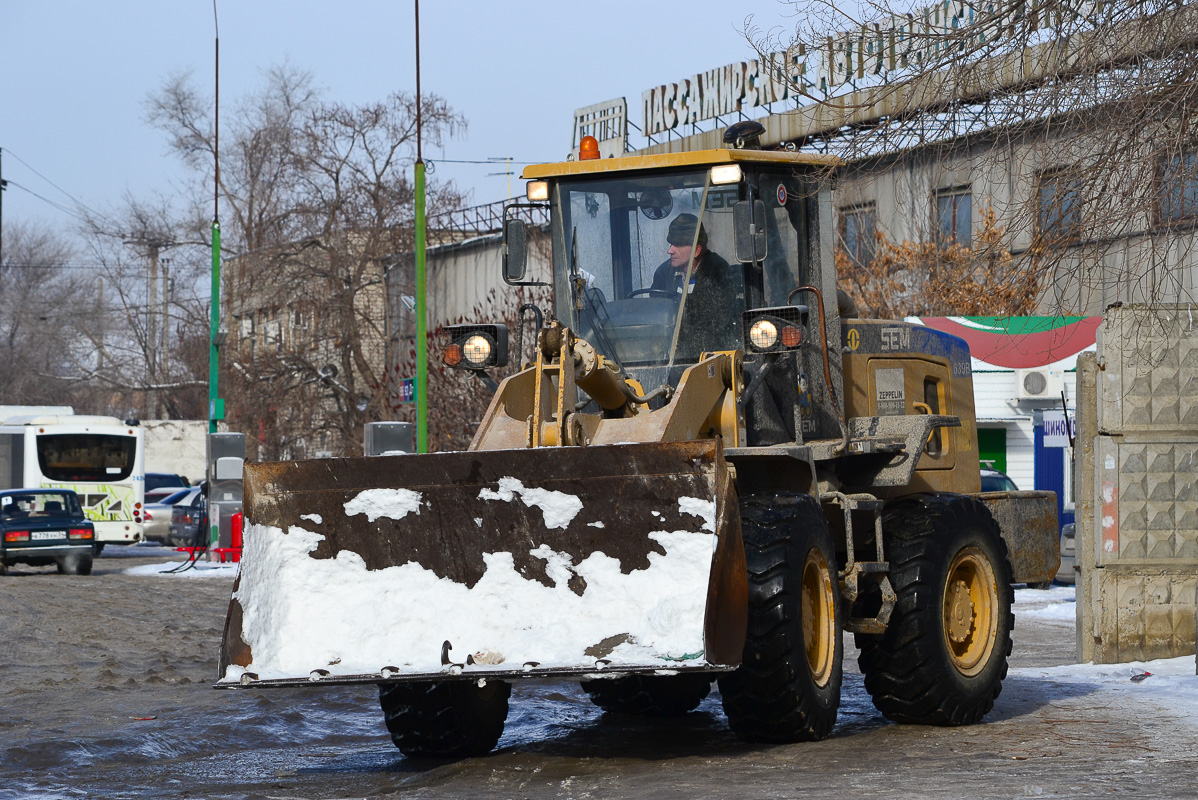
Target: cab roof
<point x="701" y="158"/>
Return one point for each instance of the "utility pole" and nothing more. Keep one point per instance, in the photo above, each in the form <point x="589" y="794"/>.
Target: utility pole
<point x="3" y="186"/>
<point x="155" y="319"/>
<point x="164" y="326"/>
<point x="100" y="318"/>
<point x="152" y="335"/>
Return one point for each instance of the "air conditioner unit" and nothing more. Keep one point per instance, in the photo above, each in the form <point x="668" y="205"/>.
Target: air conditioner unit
<point x="1039" y="384"/>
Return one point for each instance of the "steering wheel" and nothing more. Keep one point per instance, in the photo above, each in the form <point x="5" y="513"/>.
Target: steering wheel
<point x="654" y="293"/>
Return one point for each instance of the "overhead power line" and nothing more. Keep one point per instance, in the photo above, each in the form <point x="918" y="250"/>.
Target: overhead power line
<point x="490" y="162"/>
<point x="64" y="209"/>
<point x="73" y="199"/>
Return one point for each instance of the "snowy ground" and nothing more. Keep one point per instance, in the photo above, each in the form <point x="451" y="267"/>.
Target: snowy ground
<point x="1167" y="683"/>
<point x="172" y="563"/>
<point x="108" y="694"/>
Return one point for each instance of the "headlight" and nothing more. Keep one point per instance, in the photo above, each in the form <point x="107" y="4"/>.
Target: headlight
<point x="477" y="350"/>
<point x="538" y="191"/>
<point x="475" y="347"/>
<point x="763" y="334"/>
<point x="774" y="330"/>
<point x="725" y="173"/>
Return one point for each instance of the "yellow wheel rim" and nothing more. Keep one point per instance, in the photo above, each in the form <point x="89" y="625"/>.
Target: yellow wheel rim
<point x="970" y="611"/>
<point x="819" y="618"/>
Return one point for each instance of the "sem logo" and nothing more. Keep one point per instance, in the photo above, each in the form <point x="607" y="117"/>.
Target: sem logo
<point x="852" y="339"/>
<point x="896" y="339"/>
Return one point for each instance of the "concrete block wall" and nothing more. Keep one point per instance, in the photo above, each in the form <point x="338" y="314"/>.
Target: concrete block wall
<point x="1138" y="502"/>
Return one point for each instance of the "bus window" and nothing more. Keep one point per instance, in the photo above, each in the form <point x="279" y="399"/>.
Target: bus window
<point x="98" y="458"/>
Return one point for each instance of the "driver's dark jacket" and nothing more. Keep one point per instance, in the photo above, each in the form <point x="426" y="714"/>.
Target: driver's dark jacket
<point x="713" y="306"/>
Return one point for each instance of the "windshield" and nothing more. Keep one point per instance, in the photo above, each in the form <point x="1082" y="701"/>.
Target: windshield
<point x="646" y="265"/>
<point x="997" y="482"/>
<point x="637" y="252"/>
<point x="86" y="457"/>
<point x="39" y="504"/>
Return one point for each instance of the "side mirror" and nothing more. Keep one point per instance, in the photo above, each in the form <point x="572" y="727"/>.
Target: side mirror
<point x="515" y="250"/>
<point x="749" y="221"/>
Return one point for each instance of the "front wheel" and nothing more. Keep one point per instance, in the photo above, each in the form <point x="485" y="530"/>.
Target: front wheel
<point x="787" y="688"/>
<point x="944" y="654"/>
<point x="649" y="695"/>
<point x="445" y="719"/>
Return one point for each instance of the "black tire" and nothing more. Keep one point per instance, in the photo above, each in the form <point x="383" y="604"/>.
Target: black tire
<point x="447" y="719"/>
<point x="787" y="688"/>
<point x="99" y="548"/>
<point x="75" y="565"/>
<point x="650" y="695"/>
<point x="943" y="657"/>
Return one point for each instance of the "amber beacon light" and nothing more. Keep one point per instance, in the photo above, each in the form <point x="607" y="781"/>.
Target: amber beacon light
<point x="588" y="148"/>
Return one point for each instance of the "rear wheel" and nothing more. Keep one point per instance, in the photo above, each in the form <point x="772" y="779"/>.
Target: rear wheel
<point x="446" y="719"/>
<point x="649" y="695"/>
<point x="944" y="654"/>
<point x="787" y="688"/>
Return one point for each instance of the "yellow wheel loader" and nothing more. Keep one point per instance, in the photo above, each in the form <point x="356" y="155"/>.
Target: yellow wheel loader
<point x="708" y="470"/>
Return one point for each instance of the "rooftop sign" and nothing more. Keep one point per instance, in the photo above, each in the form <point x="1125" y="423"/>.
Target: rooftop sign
<point x="854" y="59"/>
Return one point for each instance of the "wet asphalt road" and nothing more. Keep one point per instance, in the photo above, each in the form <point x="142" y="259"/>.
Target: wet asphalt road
<point x="107" y="693"/>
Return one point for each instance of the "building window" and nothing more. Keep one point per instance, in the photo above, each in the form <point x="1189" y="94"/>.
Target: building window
<point x="1059" y="196"/>
<point x="1179" y="187"/>
<point x="954" y="216"/>
<point x="858" y="233"/>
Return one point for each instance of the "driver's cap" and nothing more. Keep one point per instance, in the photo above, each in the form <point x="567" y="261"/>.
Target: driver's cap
<point x="682" y="231"/>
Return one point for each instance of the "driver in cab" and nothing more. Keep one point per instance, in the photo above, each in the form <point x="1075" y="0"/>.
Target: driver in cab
<point x="711" y="311"/>
<point x="683" y="251"/>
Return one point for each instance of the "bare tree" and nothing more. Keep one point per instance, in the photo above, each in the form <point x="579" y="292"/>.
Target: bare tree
<point x="319" y="203"/>
<point x="151" y="262"/>
<point x="1073" y="120"/>
<point x="39" y="316"/>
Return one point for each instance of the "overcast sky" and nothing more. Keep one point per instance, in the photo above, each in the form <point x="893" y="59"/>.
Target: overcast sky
<point x="75" y="75"/>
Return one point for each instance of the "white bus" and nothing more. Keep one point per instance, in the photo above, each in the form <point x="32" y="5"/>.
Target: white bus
<point x="100" y="458"/>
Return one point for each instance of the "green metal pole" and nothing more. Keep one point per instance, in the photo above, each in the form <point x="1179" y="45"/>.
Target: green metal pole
<point x="421" y="320"/>
<point x="421" y="289"/>
<point x="215" y="411"/>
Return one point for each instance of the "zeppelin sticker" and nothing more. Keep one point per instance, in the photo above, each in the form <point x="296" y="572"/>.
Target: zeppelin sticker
<point x="891" y="392"/>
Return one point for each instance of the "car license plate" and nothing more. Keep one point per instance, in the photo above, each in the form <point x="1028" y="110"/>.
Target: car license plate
<point x="41" y="535"/>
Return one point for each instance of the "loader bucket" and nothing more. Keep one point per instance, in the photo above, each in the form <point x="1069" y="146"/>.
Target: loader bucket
<point x="506" y="563"/>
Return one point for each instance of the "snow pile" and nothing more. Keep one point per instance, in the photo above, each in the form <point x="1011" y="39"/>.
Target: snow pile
<point x="302" y="614"/>
<point x="375" y="503"/>
<point x="1052" y="605"/>
<point x="559" y="508"/>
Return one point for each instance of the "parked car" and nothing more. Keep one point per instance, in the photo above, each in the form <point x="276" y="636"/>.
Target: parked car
<point x="189" y="521"/>
<point x="157" y="480"/>
<point x="156" y="515"/>
<point x="1066" y="573"/>
<point x="995" y="481"/>
<point x="45" y="526"/>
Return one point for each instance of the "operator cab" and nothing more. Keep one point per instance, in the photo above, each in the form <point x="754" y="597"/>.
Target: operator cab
<point x="647" y="264"/>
